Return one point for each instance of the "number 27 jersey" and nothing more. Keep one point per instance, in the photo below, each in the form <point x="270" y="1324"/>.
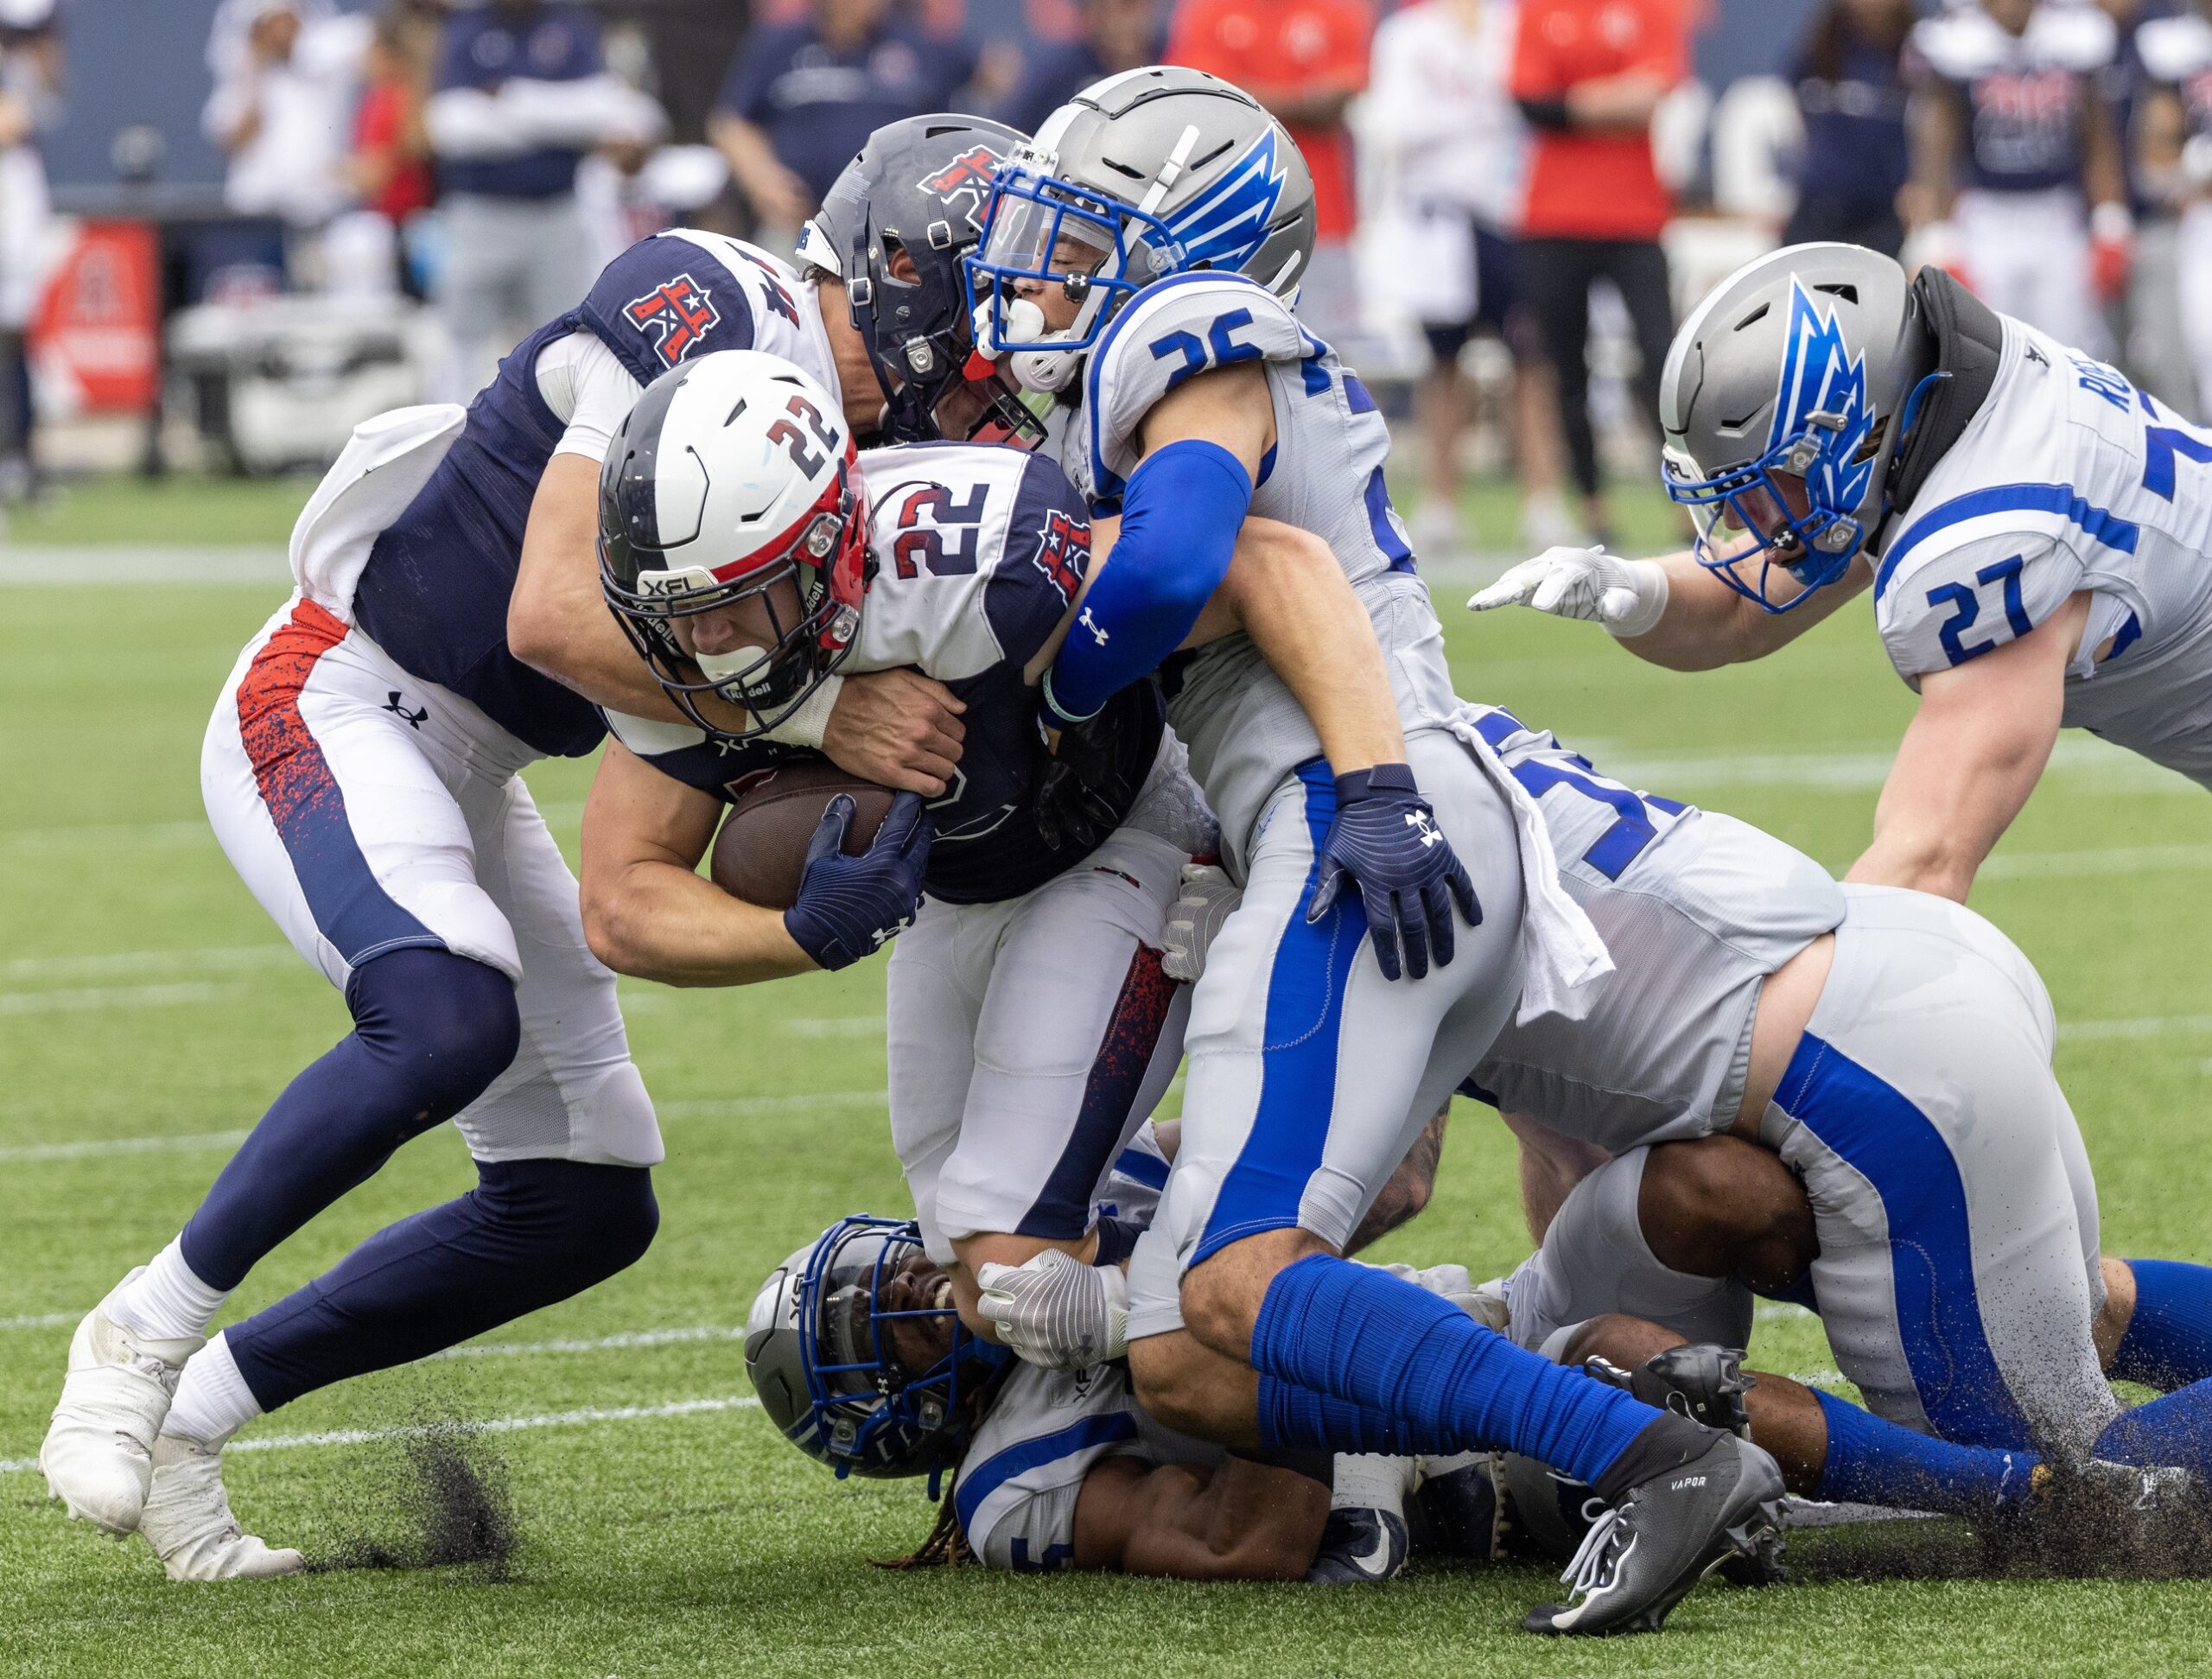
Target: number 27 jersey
<point x="2068" y="480"/>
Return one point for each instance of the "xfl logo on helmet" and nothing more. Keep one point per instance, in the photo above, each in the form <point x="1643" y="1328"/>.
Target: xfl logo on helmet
<point x="677" y="316"/>
<point x="1064" y="553"/>
<point x="965" y="183"/>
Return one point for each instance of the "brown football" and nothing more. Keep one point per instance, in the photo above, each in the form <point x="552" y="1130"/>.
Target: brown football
<point x="760" y="852"/>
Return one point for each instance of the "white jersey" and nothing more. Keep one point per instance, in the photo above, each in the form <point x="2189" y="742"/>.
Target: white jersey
<point x="2068" y="479"/>
<point x="2177" y="53"/>
<point x="1697" y="909"/>
<point x="1324" y="474"/>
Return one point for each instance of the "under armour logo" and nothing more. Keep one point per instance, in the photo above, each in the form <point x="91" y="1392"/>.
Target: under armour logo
<point x="416" y="719"/>
<point x="1092" y="624"/>
<point x="1424" y="830"/>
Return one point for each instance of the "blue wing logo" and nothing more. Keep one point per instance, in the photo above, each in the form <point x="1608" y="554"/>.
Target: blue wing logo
<point x="1226" y="227"/>
<point x="1820" y="376"/>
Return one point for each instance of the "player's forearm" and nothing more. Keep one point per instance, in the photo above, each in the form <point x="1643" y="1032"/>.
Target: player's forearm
<point x="1707" y="625"/>
<point x="1615" y="105"/>
<point x="1287" y="592"/>
<point x="2104" y="160"/>
<point x="655" y="920"/>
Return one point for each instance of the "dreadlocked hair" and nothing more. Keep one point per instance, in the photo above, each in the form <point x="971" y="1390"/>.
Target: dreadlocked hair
<point x="945" y="1548"/>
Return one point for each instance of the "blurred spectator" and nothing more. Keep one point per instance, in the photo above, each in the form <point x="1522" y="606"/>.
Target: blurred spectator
<point x="391" y="165"/>
<point x="1306" y="61"/>
<point x="801" y="98"/>
<point x="283" y="98"/>
<point x="1440" y="106"/>
<point x="1852" y="93"/>
<point x="2176" y="152"/>
<point x="522" y="92"/>
<point x="1117" y="35"/>
<point x="2010" y="139"/>
<point x="30" y="91"/>
<point x="1590" y="76"/>
<point x="2146" y="323"/>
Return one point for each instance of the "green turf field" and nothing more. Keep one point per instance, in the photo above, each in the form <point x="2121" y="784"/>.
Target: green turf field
<point x="147" y="1012"/>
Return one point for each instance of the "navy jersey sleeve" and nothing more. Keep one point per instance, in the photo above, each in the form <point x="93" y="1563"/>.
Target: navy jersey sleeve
<point x="665" y="299"/>
<point x="1043" y="563"/>
<point x="766" y="56"/>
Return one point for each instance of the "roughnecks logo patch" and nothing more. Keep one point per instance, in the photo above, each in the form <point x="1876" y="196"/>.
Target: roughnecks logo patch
<point x="676" y="315"/>
<point x="964" y="184"/>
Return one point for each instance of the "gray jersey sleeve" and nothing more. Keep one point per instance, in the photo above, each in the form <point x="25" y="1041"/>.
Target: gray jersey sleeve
<point x="1948" y="607"/>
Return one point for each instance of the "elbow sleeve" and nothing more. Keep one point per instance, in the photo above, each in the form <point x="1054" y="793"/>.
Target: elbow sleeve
<point x="1179" y="518"/>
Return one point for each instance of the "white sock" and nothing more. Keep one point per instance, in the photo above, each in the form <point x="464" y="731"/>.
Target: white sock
<point x="1368" y="1480"/>
<point x="166" y="1301"/>
<point x="212" y="1400"/>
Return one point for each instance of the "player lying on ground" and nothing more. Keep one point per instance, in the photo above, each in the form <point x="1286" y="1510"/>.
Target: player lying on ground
<point x="360" y="772"/>
<point x="1031" y="1026"/>
<point x="1140" y="259"/>
<point x="859" y="1357"/>
<point x="2034" y="529"/>
<point x="1667" y="1244"/>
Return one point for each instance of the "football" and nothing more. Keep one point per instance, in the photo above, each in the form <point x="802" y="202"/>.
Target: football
<point x="760" y="851"/>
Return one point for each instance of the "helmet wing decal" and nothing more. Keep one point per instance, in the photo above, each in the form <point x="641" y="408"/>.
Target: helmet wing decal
<point x="1820" y="376"/>
<point x="1226" y="228"/>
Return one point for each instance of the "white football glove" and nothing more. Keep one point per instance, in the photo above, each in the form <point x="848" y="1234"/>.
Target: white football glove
<point x="1626" y="596"/>
<point x="1057" y="1311"/>
<point x="1209" y="898"/>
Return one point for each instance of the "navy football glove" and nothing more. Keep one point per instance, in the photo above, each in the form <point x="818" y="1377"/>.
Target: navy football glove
<point x="1385" y="842"/>
<point x="848" y="907"/>
<point x="1085" y="789"/>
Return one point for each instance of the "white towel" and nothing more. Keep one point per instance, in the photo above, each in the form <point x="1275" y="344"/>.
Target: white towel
<point x="1563" y="959"/>
<point x="383" y="468"/>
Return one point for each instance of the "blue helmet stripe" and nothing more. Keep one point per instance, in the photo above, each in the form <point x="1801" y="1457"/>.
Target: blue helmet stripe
<point x="1227" y="226"/>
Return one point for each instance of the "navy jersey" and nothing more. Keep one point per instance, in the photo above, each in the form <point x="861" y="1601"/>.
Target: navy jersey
<point x="975" y="552"/>
<point x="2023" y="95"/>
<point x="435" y="592"/>
<point x="487" y="45"/>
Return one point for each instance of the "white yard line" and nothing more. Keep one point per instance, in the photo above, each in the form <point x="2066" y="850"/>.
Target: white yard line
<point x="2147" y="1026"/>
<point x="634" y="1337"/>
<point x="40" y="1320"/>
<point x="163" y="836"/>
<point x="112" y="996"/>
<point x="1779" y="1311"/>
<point x="113" y="564"/>
<point x="836" y="1026"/>
<point x="498" y="1425"/>
<point x="743" y="1107"/>
<point x="95" y="1147"/>
<point x="149" y="963"/>
<point x="2117" y="859"/>
<point x="2075" y="758"/>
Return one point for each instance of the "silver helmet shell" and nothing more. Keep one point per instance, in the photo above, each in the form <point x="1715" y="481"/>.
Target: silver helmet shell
<point x="1150" y="173"/>
<point x="1782" y="404"/>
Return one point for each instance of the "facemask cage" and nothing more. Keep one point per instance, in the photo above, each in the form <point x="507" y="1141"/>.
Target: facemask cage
<point x="925" y="373"/>
<point x="1792" y="520"/>
<point x="1029" y="214"/>
<point x="825" y="556"/>
<point x="877" y="1418"/>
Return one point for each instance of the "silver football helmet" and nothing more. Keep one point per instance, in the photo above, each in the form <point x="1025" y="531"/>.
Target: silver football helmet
<point x="1150" y="173"/>
<point x="1784" y="400"/>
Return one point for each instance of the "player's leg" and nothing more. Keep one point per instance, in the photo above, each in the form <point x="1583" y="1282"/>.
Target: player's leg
<point x="1555" y="281"/>
<point x="933" y="992"/>
<point x="332" y="808"/>
<point x="1079" y="1035"/>
<point x="1952" y="1275"/>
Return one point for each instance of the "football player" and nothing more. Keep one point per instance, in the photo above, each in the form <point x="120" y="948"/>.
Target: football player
<point x="1139" y="261"/>
<point x="361" y="770"/>
<point x="2033" y="527"/>
<point x="2177" y="162"/>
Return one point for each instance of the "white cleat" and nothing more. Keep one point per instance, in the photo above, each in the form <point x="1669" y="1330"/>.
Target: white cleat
<point x="188" y="1523"/>
<point x="97" y="1457"/>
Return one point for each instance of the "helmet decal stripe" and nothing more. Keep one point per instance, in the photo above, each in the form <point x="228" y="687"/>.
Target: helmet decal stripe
<point x="1820" y="376"/>
<point x="1224" y="228"/>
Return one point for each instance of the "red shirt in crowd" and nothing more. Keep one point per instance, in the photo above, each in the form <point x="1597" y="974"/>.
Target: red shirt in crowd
<point x="380" y="133"/>
<point x="1277" y="49"/>
<point x="1584" y="185"/>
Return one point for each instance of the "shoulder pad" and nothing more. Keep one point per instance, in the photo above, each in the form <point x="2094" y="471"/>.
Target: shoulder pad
<point x="2175" y="48"/>
<point x="1185" y="324"/>
<point x="1960" y="45"/>
<point x="1966" y="592"/>
<point x="2075" y="37"/>
<point x="683" y="293"/>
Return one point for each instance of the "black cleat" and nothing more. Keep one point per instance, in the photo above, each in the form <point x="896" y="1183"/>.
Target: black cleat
<point x="1702" y="1382"/>
<point x="1666" y="1533"/>
<point x="1359" y="1547"/>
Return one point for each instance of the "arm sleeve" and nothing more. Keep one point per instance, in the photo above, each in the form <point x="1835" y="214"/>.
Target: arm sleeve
<point x="1180" y="520"/>
<point x="1973" y="599"/>
<point x="585" y="384"/>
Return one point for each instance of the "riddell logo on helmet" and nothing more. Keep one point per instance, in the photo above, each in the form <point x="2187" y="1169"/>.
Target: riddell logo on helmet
<point x="965" y="183"/>
<point x="677" y="316"/>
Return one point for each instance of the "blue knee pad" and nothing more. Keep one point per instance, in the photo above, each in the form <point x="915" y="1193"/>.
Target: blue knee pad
<point x="530" y="1233"/>
<point x="431" y="1031"/>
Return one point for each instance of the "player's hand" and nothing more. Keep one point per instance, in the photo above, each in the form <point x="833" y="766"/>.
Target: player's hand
<point x="849" y="907"/>
<point x="1086" y="790"/>
<point x="2112" y="250"/>
<point x="1385" y="842"/>
<point x="1057" y="1311"/>
<point x="896" y="728"/>
<point x="1627" y="596"/>
<point x="1209" y="898"/>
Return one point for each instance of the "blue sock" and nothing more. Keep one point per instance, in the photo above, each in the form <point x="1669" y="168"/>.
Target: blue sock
<point x="1392" y="1350"/>
<point x="430" y="1031"/>
<point x="1872" y="1461"/>
<point x="2169" y="1340"/>
<point x="2176" y="1430"/>
<point x="531" y="1232"/>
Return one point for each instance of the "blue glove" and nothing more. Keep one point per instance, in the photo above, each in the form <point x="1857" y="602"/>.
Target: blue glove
<point x="849" y="907"/>
<point x="1386" y="842"/>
